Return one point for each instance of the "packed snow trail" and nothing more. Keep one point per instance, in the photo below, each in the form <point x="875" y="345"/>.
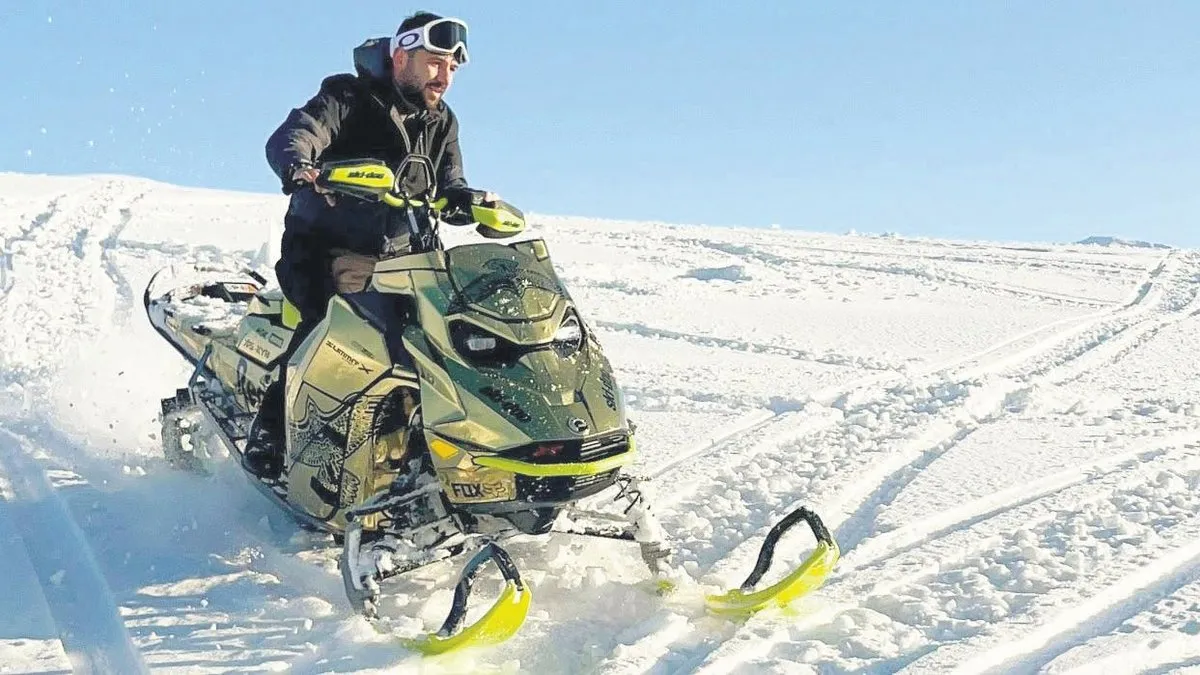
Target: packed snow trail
<point x="89" y="623"/>
<point x="1004" y="438"/>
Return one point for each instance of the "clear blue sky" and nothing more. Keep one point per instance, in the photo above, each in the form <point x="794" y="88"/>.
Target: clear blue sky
<point x="1017" y="120"/>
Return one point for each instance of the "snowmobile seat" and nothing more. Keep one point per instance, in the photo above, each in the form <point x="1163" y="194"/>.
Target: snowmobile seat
<point x="266" y="302"/>
<point x="271" y="302"/>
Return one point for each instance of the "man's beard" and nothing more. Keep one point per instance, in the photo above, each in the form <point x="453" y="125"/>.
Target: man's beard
<point x="415" y="93"/>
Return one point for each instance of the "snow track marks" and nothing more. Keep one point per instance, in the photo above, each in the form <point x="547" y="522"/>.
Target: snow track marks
<point x="923" y="269"/>
<point x="80" y="601"/>
<point x="859" y="456"/>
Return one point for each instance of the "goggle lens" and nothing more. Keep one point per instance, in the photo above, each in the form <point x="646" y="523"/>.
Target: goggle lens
<point x="449" y="36"/>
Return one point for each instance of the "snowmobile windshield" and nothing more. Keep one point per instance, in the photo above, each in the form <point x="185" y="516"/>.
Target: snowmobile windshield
<point x="503" y="281"/>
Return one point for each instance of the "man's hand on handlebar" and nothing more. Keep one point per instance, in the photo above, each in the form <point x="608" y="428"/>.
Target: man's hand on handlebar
<point x="308" y="174"/>
<point x="464" y="198"/>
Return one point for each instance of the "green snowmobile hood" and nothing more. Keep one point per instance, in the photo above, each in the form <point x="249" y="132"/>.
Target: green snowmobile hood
<point x="581" y="400"/>
<point x="530" y="386"/>
<point x="507" y="284"/>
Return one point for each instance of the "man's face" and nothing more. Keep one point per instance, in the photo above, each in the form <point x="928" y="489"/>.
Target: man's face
<point x="431" y="74"/>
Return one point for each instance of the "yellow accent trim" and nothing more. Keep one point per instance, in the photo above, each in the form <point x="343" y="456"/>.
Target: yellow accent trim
<point x="563" y="469"/>
<point x="289" y="315"/>
<point x="500" y="623"/>
<point x="808" y="577"/>
<point x="400" y="202"/>
<point x="442" y="448"/>
<point x="500" y="220"/>
<point x="367" y="175"/>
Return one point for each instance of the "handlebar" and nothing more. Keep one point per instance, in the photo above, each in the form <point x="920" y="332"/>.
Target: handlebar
<point x="372" y="180"/>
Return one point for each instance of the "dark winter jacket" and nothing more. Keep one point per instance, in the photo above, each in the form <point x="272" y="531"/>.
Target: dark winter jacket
<point x="356" y="116"/>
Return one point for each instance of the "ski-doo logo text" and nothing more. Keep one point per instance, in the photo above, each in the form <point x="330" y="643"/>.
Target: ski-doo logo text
<point x="609" y="389"/>
<point x="369" y="175"/>
<point x="508" y="405"/>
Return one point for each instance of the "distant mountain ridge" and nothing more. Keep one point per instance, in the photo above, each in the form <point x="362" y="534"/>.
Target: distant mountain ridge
<point x="1116" y="241"/>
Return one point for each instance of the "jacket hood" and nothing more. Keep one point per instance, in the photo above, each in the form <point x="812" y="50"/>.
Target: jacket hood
<point x="373" y="62"/>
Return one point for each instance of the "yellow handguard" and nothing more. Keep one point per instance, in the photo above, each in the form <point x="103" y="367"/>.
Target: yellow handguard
<point x="499" y="220"/>
<point x="366" y="178"/>
<point x="745" y="601"/>
<point x="290" y="315"/>
<point x="372" y="179"/>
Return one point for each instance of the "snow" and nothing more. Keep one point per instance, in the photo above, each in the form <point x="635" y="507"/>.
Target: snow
<point x="1004" y="439"/>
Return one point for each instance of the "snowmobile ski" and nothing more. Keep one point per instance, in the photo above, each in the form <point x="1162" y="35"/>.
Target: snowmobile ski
<point x="500" y="622"/>
<point x="809" y="576"/>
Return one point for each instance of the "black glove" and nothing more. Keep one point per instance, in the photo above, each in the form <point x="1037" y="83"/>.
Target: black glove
<point x="462" y="199"/>
<point x="459" y="201"/>
<point x="494" y="218"/>
<point x="291" y="180"/>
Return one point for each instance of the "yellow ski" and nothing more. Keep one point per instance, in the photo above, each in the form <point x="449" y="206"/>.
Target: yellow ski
<point x="500" y="623"/>
<point x="745" y="601"/>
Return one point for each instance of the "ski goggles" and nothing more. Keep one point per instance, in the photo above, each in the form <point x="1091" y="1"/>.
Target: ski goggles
<point x="441" y="36"/>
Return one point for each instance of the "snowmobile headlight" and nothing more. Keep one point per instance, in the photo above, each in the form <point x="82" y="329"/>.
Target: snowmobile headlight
<point x="482" y="347"/>
<point x="480" y="343"/>
<point x="569" y="335"/>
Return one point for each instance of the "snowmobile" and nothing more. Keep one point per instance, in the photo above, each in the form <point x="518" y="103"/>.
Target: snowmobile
<point x="458" y="400"/>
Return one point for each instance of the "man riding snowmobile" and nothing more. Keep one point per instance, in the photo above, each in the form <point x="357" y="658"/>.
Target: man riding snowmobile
<point x="392" y="109"/>
<point x="440" y="400"/>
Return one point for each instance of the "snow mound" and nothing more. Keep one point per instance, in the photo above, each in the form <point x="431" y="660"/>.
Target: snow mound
<point x="727" y="273"/>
